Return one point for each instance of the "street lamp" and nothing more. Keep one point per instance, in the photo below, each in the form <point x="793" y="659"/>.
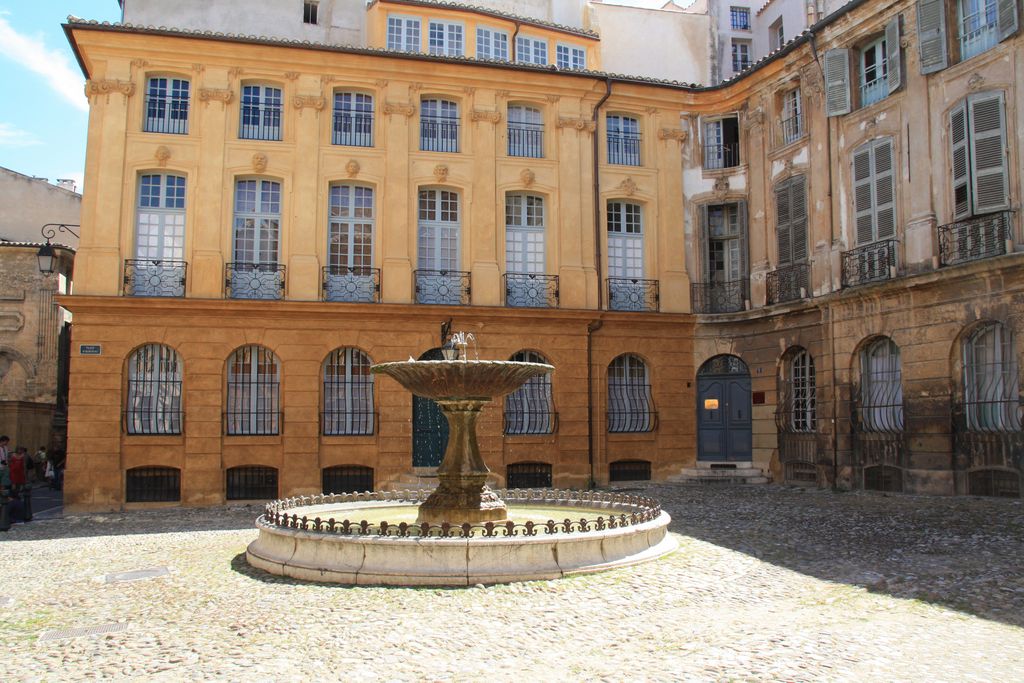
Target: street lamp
<point x="46" y="254"/>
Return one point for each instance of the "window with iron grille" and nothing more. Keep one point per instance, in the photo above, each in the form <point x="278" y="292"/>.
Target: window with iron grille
<point x="991" y="380"/>
<point x="792" y="124"/>
<point x="438" y="237"/>
<point x="629" y="470"/>
<point x="439" y="125"/>
<point x="524" y="233"/>
<point x="874" y="72"/>
<point x="881" y="390"/>
<point x="721" y="143"/>
<point x="630" y="404"/>
<point x="528" y="475"/>
<point x="798" y="392"/>
<point x="348" y="393"/>
<point x="153" y="404"/>
<point x="978" y="24"/>
<point x="491" y="44"/>
<point x="530" y="409"/>
<point x="531" y="50"/>
<point x="740" y="55"/>
<point x="251" y="483"/>
<point x="991" y="482"/>
<point x="347" y="479"/>
<point x="309" y="12"/>
<point x="625" y="239"/>
<point x="253" y="392"/>
<point x="167" y="105"/>
<point x="261" y="113"/>
<point x="152" y="485"/>
<point x="445" y="38"/>
<point x="570" y="57"/>
<point x="257" y="221"/>
<point x="739" y="18"/>
<point x="403" y="33"/>
<point x="623" y="140"/>
<point x="159" y="236"/>
<point x="350" y="228"/>
<point x="525" y="131"/>
<point x="883" y="478"/>
<point x="353" y="119"/>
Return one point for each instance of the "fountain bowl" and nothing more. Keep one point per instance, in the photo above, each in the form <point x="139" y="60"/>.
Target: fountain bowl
<point x="441" y="380"/>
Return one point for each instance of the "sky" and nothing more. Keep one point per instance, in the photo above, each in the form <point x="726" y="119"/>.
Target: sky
<point x="43" y="111"/>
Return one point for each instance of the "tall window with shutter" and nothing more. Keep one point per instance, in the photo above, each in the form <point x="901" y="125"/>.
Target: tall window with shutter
<point x="873" y="191"/>
<point x="791" y="220"/>
<point x="879" y="72"/>
<point x="980" y="25"/>
<point x="977" y="134"/>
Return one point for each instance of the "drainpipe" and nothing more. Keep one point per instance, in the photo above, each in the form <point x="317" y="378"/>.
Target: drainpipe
<point x="512" y="47"/>
<point x="592" y="327"/>
<point x="597" y="197"/>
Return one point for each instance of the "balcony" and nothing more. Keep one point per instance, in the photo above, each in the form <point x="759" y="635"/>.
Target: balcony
<point x="719" y="156"/>
<point x="870" y="263"/>
<point x="874" y="91"/>
<point x="166" y="115"/>
<point x="531" y="290"/>
<point x="448" y="287"/>
<point x="624" y="149"/>
<point x="352" y="129"/>
<point x="254" y="281"/>
<point x="790" y="129"/>
<point x="975" y="238"/>
<point x="788" y="283"/>
<point x="350" y="284"/>
<point x="154" y="277"/>
<point x="720" y="297"/>
<point x="526" y="140"/>
<point x="439" y="135"/>
<point x="632" y="294"/>
<point x="981" y="39"/>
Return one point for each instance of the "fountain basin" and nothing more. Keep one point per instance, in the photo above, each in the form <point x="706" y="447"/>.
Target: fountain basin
<point x="450" y="380"/>
<point x="325" y="539"/>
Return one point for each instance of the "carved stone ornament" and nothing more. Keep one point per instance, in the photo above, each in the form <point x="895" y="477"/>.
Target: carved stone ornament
<point x="721" y="187"/>
<point x="753" y="118"/>
<point x="677" y="134"/>
<point x="483" y="115"/>
<point x="108" y="86"/>
<point x="810" y="82"/>
<point x="869" y="124"/>
<point x="501" y="93"/>
<point x="415" y="87"/>
<point x="975" y="82"/>
<point x="553" y="99"/>
<point x="259" y="162"/>
<point x="235" y="71"/>
<point x="469" y="90"/>
<point x="213" y="94"/>
<point x="628" y="187"/>
<point x="651" y="110"/>
<point x="441" y="173"/>
<point x="527" y="176"/>
<point x="291" y="75"/>
<point x="787" y="165"/>
<point x="317" y="102"/>
<point x="578" y="124"/>
<point x="352" y="168"/>
<point x="381" y="83"/>
<point x="162" y="154"/>
<point x="198" y="68"/>
<point x="139" y="63"/>
<point x="403" y="108"/>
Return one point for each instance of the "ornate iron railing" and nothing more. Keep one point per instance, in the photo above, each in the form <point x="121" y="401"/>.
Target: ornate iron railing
<point x="633" y="294"/>
<point x="525" y="421"/>
<point x="166" y="115"/>
<point x="346" y="479"/>
<point x="720" y="297"/>
<point x="975" y="238"/>
<point x="871" y="263"/>
<point x="352" y="129"/>
<point x="624" y="149"/>
<point x="526" y="140"/>
<point x="439" y="135"/>
<point x="260" y="122"/>
<point x="633" y="415"/>
<point x="798" y="454"/>
<point x="154" y="277"/>
<point x="152" y="485"/>
<point x="531" y="290"/>
<point x="788" y="283"/>
<point x="450" y="287"/>
<point x="254" y="280"/>
<point x="724" y="155"/>
<point x="350" y="285"/>
<point x="874" y="91"/>
<point x="623" y="511"/>
<point x="790" y="129"/>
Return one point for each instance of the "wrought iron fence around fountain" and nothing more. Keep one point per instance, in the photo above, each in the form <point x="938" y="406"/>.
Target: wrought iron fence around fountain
<point x="624" y="511"/>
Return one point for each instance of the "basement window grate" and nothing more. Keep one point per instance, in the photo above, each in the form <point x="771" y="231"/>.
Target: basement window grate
<point x="629" y="470"/>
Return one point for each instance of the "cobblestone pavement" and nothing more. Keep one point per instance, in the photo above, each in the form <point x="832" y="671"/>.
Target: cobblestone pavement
<point x="770" y="583"/>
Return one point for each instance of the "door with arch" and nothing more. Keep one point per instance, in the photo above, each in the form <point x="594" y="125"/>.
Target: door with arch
<point x="723" y="411"/>
<point x="429" y="426"/>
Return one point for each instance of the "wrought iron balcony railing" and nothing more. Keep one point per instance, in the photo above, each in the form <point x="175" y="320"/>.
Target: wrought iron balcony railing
<point x="531" y="290"/>
<point x="788" y="283"/>
<point x="874" y="91"/>
<point x="624" y="149"/>
<point x="439" y="135"/>
<point x="975" y="238"/>
<point x="725" y="155"/>
<point x="790" y="129"/>
<point x="870" y="263"/>
<point x="260" y="123"/>
<point x="451" y="287"/>
<point x="350" y="284"/>
<point x="352" y="129"/>
<point x="526" y="140"/>
<point x="154" y="277"/>
<point x="166" y="115"/>
<point x="720" y="297"/>
<point x="254" y="280"/>
<point x="633" y="294"/>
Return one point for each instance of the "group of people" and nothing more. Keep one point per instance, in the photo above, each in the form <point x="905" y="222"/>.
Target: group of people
<point x="19" y="471"/>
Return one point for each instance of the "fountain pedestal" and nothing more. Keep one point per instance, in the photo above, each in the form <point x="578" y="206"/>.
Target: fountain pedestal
<point x="462" y="494"/>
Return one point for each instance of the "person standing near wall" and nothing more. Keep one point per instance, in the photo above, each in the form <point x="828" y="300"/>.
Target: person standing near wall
<point x="4" y="454"/>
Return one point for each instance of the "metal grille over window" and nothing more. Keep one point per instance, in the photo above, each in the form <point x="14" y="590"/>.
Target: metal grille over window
<point x="623" y="140"/>
<point x="979" y="29"/>
<point x="881" y="390"/>
<point x="630" y="405"/>
<point x="439" y="126"/>
<point x="348" y="394"/>
<point x="991" y="381"/>
<point x="883" y="478"/>
<point x="152" y="485"/>
<point x="525" y="282"/>
<point x="528" y="475"/>
<point x="167" y="106"/>
<point x="255" y="272"/>
<point x="349" y="275"/>
<point x="874" y="71"/>
<point x="791" y="126"/>
<point x="347" y="479"/>
<point x="438" y="280"/>
<point x="627" y="288"/>
<point x="158" y="268"/>
<point x="525" y="132"/>
<point x="798" y="404"/>
<point x="251" y="483"/>
<point x="153" y="403"/>
<point x="530" y="408"/>
<point x="629" y="470"/>
<point x="353" y="119"/>
<point x="253" y="395"/>
<point x="721" y="143"/>
<point x="261" y="113"/>
<point x="739" y="18"/>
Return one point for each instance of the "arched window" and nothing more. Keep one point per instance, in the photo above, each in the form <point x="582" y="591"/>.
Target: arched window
<point x="166" y="105"/>
<point x="153" y="404"/>
<point x="254" y="390"/>
<point x="349" y="275"/>
<point x="530" y="409"/>
<point x="254" y="272"/>
<point x="630" y="405"/>
<point x="159" y="267"/>
<point x="439" y="125"/>
<point x="261" y="113"/>
<point x="991" y="380"/>
<point x="525" y="131"/>
<point x="623" y="140"/>
<point x="348" y="393"/>
<point x="881" y="391"/>
<point x="353" y="119"/>
<point x="438" y="280"/>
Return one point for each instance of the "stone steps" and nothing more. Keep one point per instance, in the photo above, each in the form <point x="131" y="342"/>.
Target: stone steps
<point x="721" y="475"/>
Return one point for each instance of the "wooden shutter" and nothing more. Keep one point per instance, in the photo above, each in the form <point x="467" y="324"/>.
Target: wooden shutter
<point x="960" y="161"/>
<point x="798" y="218"/>
<point x="892" y="54"/>
<point x="989" y="187"/>
<point x="837" y="82"/>
<point x="783" y="224"/>
<point x="885" y="204"/>
<point x="741" y="209"/>
<point x="1006" y="18"/>
<point x="863" y="193"/>
<point x="931" y="35"/>
<point x="705" y="260"/>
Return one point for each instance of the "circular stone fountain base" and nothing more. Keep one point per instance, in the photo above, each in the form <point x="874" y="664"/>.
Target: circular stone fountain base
<point x="325" y="538"/>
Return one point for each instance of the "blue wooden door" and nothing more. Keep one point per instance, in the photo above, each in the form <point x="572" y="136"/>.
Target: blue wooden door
<point x="429" y="426"/>
<point x="723" y="411"/>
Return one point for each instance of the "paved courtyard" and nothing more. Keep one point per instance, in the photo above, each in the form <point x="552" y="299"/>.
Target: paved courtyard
<point x="770" y="583"/>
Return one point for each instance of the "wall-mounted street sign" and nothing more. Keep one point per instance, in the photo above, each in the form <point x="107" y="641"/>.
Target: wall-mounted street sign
<point x="89" y="349"/>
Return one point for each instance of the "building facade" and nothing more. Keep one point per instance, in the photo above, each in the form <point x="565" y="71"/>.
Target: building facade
<point x="811" y="270"/>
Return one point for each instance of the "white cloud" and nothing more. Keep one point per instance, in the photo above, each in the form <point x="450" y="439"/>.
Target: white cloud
<point x="12" y="136"/>
<point x="53" y="66"/>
